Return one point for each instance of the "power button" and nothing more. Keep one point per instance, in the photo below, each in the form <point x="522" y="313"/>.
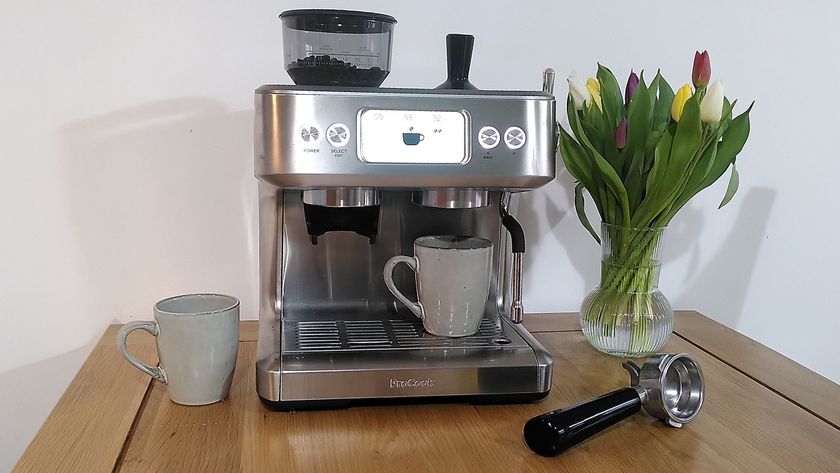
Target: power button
<point x="310" y="134"/>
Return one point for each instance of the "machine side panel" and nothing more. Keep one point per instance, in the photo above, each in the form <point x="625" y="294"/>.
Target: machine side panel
<point x="270" y="257"/>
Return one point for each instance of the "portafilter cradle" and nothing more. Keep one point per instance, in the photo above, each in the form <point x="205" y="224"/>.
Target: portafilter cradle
<point x="668" y="386"/>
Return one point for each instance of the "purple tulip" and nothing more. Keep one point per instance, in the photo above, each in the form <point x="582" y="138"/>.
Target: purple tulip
<point x="702" y="70"/>
<point x="632" y="83"/>
<point x="621" y="134"/>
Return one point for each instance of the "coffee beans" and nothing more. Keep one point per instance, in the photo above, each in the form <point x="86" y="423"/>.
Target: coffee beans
<point x="326" y="70"/>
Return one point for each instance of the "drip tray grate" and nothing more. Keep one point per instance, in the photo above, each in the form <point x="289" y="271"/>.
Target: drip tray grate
<point x="333" y="335"/>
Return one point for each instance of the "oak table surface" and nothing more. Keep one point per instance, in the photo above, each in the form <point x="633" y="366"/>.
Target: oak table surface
<point x="762" y="412"/>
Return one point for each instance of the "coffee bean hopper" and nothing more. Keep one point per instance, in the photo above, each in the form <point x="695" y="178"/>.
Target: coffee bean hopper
<point x="337" y="47"/>
<point x="668" y="387"/>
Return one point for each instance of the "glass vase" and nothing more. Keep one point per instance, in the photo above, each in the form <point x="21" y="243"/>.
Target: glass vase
<point x="626" y="315"/>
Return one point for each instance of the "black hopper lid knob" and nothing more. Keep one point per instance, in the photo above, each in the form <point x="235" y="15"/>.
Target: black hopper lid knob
<point x="459" y="49"/>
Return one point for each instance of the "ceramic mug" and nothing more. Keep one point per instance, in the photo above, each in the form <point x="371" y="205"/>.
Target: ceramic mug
<point x="453" y="282"/>
<point x="197" y="338"/>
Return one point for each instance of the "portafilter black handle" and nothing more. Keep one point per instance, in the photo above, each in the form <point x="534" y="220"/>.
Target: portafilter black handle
<point x="459" y="49"/>
<point x="554" y="432"/>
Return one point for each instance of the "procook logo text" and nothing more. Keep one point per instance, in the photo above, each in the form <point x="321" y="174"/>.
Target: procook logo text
<point x="411" y="383"/>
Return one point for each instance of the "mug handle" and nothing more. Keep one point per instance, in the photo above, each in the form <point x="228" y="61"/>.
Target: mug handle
<point x="151" y="327"/>
<point x="388" y="274"/>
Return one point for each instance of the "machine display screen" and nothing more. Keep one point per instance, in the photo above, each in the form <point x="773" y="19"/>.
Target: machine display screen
<point x="413" y="136"/>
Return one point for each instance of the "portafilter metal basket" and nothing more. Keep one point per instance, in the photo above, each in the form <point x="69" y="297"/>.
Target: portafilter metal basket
<point x="668" y="386"/>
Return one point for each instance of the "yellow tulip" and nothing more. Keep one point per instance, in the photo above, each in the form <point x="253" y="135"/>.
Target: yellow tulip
<point x="594" y="89"/>
<point x="680" y="99"/>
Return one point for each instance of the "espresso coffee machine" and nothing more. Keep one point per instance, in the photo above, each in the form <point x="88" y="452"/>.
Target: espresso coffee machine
<point x="350" y="176"/>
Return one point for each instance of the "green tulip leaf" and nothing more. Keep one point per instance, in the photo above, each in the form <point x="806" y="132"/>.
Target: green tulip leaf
<point x="732" y="188"/>
<point x="662" y="108"/>
<point x="716" y="130"/>
<point x="612" y="154"/>
<point x="577" y="127"/>
<point x="731" y="143"/>
<point x="606" y="172"/>
<point x="650" y="150"/>
<point x="643" y="214"/>
<point x="704" y="164"/>
<point x="652" y="90"/>
<point x="611" y="97"/>
<point x="701" y="171"/>
<point x="633" y="181"/>
<point x="592" y="123"/>
<point x="684" y="149"/>
<point x="638" y="126"/>
<point x="600" y="194"/>
<point x="575" y="159"/>
<point x="615" y="186"/>
<point x="686" y="140"/>
<point x="712" y="163"/>
<point x="580" y="209"/>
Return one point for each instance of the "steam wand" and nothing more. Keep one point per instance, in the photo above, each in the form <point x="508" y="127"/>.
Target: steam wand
<point x="517" y="247"/>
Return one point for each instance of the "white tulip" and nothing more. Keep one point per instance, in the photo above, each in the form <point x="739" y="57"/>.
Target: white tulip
<point x="711" y="108"/>
<point x="577" y="89"/>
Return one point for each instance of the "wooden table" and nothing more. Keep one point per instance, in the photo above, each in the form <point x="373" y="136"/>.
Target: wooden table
<point x="762" y="412"/>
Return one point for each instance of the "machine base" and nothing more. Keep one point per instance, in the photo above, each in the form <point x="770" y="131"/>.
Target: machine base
<point x="336" y="363"/>
<point x="315" y="405"/>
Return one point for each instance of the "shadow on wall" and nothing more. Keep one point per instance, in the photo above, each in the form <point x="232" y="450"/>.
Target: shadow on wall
<point x="162" y="200"/>
<point x="721" y="286"/>
<point x="29" y="394"/>
<point x="540" y="205"/>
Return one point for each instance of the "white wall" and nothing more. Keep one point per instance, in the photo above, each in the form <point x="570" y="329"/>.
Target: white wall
<point x="126" y="147"/>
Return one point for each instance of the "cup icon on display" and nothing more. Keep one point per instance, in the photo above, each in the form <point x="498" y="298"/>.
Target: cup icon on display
<point x="412" y="139"/>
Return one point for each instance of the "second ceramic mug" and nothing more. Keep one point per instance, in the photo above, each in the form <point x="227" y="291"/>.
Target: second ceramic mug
<point x="453" y="282"/>
<point x="197" y="338"/>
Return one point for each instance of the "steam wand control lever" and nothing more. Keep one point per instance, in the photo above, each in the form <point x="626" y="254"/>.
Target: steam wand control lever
<point x="548" y="81"/>
<point x="517" y="246"/>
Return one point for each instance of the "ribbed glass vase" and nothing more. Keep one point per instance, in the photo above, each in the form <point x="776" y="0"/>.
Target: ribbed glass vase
<point x="627" y="315"/>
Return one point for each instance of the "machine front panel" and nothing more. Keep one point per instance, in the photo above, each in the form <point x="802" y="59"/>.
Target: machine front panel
<point x="404" y="139"/>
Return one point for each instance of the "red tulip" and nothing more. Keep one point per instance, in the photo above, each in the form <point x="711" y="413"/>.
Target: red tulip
<point x="621" y="134"/>
<point x="632" y="83"/>
<point x="702" y="71"/>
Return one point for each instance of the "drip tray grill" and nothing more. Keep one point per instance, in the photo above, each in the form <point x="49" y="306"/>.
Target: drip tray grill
<point x="340" y="335"/>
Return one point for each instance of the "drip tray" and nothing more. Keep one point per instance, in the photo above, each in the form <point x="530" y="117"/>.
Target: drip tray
<point x="308" y="336"/>
<point x="377" y="355"/>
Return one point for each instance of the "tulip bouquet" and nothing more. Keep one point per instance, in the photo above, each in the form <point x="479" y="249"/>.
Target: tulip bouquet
<point x="641" y="156"/>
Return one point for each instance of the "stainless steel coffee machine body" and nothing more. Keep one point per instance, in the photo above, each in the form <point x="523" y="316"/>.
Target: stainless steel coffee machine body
<point x="350" y="177"/>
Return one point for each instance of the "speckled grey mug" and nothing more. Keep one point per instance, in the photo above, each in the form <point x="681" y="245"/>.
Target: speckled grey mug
<point x="197" y="338"/>
<point x="453" y="282"/>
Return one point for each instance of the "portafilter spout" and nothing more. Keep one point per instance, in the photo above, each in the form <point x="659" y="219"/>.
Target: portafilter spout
<point x="668" y="386"/>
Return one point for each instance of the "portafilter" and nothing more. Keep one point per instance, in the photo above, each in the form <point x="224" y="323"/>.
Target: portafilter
<point x="668" y="387"/>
